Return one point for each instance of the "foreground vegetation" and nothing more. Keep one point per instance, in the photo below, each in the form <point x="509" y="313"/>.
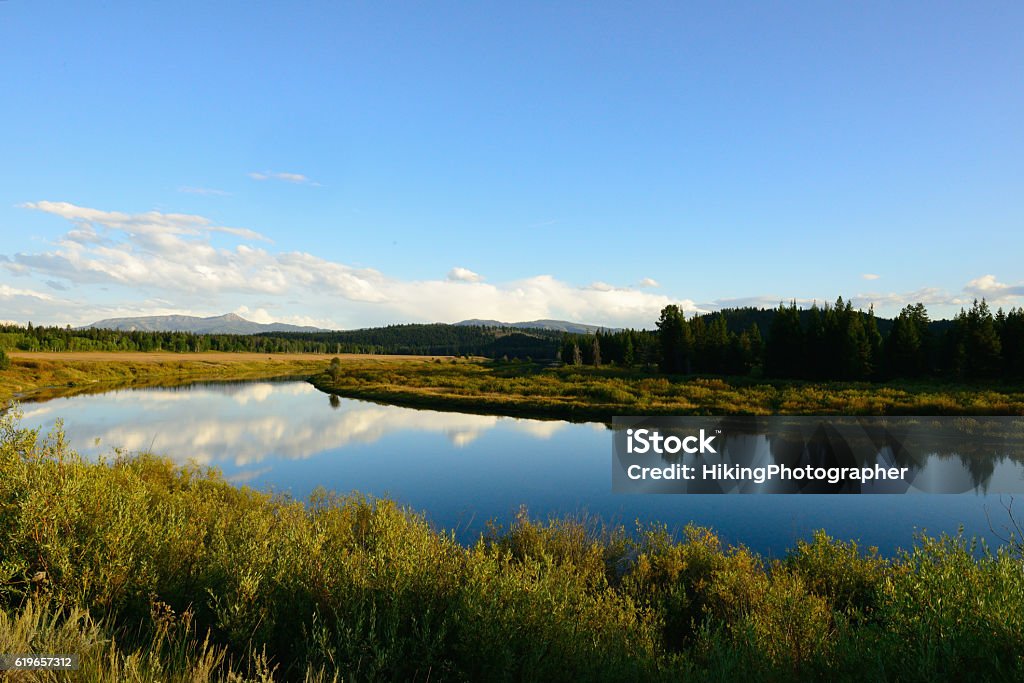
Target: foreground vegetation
<point x="154" y="572"/>
<point x="589" y="393"/>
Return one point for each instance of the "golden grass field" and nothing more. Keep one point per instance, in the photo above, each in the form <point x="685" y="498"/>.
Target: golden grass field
<point x="205" y="357"/>
<point x="42" y="375"/>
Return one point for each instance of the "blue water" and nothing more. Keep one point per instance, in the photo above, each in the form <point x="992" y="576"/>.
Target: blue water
<point x="461" y="470"/>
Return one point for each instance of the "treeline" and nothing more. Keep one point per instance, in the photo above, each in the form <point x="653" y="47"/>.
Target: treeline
<point x="832" y="342"/>
<point x="435" y="339"/>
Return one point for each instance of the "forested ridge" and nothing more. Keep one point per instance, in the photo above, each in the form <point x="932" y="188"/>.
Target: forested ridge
<point x="429" y="339"/>
<point x="831" y="342"/>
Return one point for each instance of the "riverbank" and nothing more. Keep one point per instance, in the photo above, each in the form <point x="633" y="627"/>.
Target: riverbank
<point x="587" y="393"/>
<point x="40" y="376"/>
<point x="150" y="571"/>
<point x="516" y="388"/>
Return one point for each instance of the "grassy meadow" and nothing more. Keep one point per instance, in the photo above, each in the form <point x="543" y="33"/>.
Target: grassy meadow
<point x="153" y="572"/>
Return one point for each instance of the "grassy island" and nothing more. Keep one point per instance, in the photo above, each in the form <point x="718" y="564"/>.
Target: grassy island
<point x="592" y="393"/>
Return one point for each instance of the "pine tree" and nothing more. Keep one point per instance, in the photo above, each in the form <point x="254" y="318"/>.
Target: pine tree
<point x="814" y="345"/>
<point x="628" y="353"/>
<point x="1011" y="338"/>
<point x="874" y="343"/>
<point x="984" y="350"/>
<point x="699" y="344"/>
<point x="784" y="350"/>
<point x="577" y="355"/>
<point x="756" y="347"/>
<point x="904" y="347"/>
<point x="674" y="338"/>
<point x="716" y="345"/>
<point x="568" y="344"/>
<point x="595" y="353"/>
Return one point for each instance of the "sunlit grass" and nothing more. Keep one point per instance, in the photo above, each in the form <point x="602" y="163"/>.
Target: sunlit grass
<point x="52" y="375"/>
<point x="600" y="393"/>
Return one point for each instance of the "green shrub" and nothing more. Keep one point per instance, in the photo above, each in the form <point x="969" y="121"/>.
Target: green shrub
<point x="850" y="580"/>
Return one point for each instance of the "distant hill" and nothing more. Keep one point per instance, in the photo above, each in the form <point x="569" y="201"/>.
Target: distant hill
<point x="228" y="323"/>
<point x="550" y="325"/>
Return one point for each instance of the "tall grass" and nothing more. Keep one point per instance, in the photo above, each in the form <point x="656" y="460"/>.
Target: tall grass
<point x="155" y="572"/>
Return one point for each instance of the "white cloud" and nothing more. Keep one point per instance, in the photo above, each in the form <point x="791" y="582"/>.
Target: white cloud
<point x="464" y="275"/>
<point x="889" y="301"/>
<point x="870" y="276"/>
<point x="171" y="256"/>
<point x="984" y="287"/>
<point x="296" y="178"/>
<point x="258" y="315"/>
<point x="648" y="282"/>
<point x="8" y="293"/>
<point x="147" y="223"/>
<point x="22" y="304"/>
<point x="989" y="288"/>
<point x="893" y="301"/>
<point x="262" y="315"/>
<point x="759" y="301"/>
<point x="244" y="233"/>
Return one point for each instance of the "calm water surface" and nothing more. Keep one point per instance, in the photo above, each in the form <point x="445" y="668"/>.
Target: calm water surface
<point x="462" y="470"/>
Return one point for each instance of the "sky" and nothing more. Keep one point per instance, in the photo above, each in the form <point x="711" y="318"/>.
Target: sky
<point x="355" y="164"/>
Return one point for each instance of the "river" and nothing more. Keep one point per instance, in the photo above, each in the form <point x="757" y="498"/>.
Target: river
<point x="462" y="470"/>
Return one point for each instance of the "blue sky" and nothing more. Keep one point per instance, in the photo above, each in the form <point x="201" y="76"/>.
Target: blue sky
<point x="351" y="164"/>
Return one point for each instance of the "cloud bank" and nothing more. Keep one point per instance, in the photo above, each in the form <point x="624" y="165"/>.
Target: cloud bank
<point x="113" y="264"/>
<point x="181" y="258"/>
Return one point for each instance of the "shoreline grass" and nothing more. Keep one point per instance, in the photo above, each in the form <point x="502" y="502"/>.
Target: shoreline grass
<point x="587" y="393"/>
<point x="157" y="572"/>
<point x="518" y="389"/>
<point x="41" y="376"/>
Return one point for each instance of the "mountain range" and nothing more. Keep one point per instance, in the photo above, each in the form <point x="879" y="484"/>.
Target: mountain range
<point x="229" y="323"/>
<point x="552" y="325"/>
